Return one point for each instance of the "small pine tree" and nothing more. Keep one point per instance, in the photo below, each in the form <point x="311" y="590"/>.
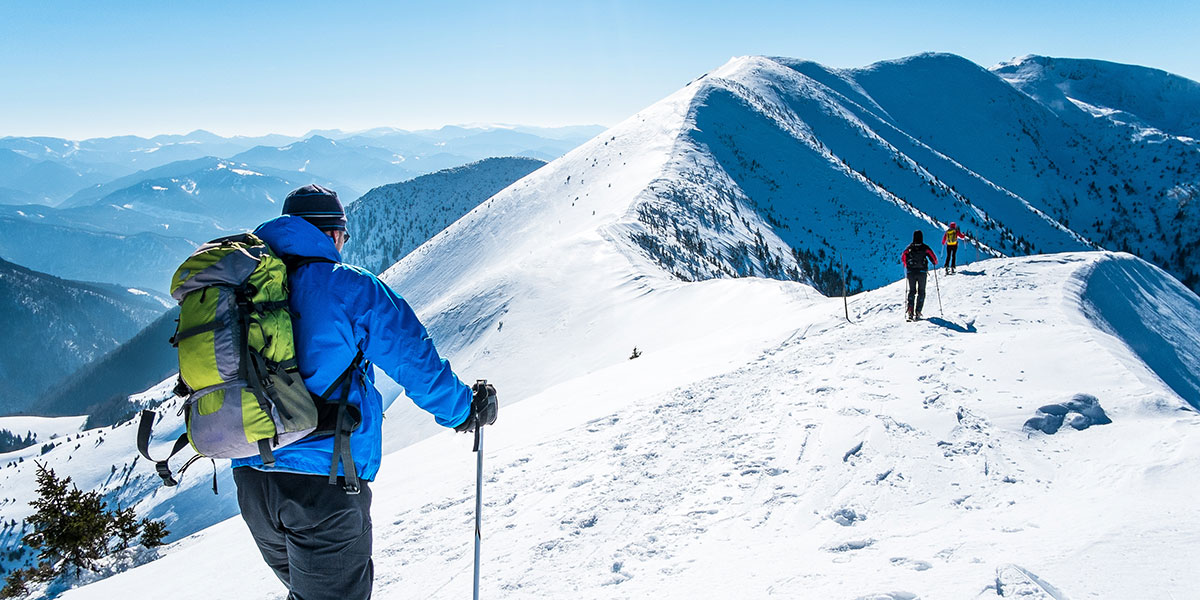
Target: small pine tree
<point x="636" y="353"/>
<point x="70" y="527"/>
<point x="14" y="584"/>
<point x="125" y="527"/>
<point x="153" y="533"/>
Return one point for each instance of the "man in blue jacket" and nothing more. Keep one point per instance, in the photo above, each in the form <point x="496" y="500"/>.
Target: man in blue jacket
<point x="316" y="536"/>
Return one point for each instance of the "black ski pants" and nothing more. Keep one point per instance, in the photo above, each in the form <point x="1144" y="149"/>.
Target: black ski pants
<point x="315" y="536"/>
<point x="951" y="256"/>
<point x="916" y="289"/>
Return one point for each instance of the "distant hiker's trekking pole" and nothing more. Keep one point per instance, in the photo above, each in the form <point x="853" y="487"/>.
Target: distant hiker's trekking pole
<point x="939" y="293"/>
<point x="845" y="302"/>
<point x="484" y="408"/>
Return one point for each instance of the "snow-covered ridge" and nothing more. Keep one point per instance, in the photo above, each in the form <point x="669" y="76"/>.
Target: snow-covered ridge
<point x="828" y="459"/>
<point x="1132" y="95"/>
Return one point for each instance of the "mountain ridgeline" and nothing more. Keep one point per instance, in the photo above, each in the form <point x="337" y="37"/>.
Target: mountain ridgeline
<point x="392" y="220"/>
<point x="818" y="172"/>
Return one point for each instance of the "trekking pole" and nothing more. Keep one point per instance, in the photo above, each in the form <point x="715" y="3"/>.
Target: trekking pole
<point x="939" y="293"/>
<point x="845" y="302"/>
<point x="478" y="498"/>
<point x="478" y="501"/>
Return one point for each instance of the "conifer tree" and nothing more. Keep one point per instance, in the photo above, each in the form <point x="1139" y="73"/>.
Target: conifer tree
<point x="14" y="584"/>
<point x="125" y="527"/>
<point x="70" y="527"/>
<point x="153" y="533"/>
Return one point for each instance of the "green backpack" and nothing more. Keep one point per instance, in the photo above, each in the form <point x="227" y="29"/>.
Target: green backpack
<point x="237" y="358"/>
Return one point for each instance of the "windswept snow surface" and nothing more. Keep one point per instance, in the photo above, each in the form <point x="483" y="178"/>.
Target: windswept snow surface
<point x="823" y="459"/>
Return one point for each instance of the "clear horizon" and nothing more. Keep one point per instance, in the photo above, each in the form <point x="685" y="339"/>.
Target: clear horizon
<point x="77" y="70"/>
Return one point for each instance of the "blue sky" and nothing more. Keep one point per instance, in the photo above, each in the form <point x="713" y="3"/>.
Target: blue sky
<point x="84" y="69"/>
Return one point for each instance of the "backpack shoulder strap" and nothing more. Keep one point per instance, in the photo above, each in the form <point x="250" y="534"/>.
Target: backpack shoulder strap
<point x="342" y="430"/>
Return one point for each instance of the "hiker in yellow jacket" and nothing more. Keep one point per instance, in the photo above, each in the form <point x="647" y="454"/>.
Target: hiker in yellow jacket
<point x="950" y="241"/>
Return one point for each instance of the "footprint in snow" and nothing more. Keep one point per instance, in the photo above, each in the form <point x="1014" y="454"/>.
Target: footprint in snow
<point x="848" y="546"/>
<point x="847" y="517"/>
<point x="910" y="563"/>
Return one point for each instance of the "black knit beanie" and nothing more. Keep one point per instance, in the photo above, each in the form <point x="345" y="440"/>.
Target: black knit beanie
<point x="317" y="205"/>
<point x="918" y="237"/>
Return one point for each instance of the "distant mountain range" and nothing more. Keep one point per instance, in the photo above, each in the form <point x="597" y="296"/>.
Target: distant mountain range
<point x="135" y="206"/>
<point x="53" y="326"/>
<point x="46" y="170"/>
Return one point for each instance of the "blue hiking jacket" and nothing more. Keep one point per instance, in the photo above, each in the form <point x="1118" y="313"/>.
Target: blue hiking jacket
<point x="338" y="309"/>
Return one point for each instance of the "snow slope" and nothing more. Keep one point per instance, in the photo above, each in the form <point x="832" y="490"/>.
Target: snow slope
<point x="874" y="459"/>
<point x="754" y="402"/>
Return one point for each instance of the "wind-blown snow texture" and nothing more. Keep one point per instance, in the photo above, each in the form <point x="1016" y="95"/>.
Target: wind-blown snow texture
<point x="761" y="444"/>
<point x="391" y="220"/>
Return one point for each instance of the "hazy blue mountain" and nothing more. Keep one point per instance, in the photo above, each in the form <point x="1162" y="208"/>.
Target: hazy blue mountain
<point x="198" y="199"/>
<point x="121" y="155"/>
<point x="101" y="387"/>
<point x="25" y="180"/>
<point x="142" y="260"/>
<point x="360" y="166"/>
<point x="52" y="326"/>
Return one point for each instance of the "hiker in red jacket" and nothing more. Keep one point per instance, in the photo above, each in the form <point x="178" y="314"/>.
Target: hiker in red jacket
<point x="950" y="241"/>
<point x="915" y="260"/>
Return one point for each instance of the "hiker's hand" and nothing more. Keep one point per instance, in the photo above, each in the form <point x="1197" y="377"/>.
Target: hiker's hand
<point x="484" y="407"/>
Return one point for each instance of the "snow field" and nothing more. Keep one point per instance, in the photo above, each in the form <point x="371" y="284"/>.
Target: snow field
<point x="879" y="459"/>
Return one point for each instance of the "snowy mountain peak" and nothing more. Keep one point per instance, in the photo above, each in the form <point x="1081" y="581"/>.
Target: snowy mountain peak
<point x="1130" y="95"/>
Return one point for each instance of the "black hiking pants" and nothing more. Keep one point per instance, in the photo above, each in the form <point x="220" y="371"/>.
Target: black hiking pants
<point x="916" y="289"/>
<point x="951" y="256"/>
<point x="315" y="536"/>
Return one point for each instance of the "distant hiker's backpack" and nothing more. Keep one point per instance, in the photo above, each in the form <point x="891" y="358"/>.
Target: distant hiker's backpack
<point x="237" y="358"/>
<point x="915" y="259"/>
